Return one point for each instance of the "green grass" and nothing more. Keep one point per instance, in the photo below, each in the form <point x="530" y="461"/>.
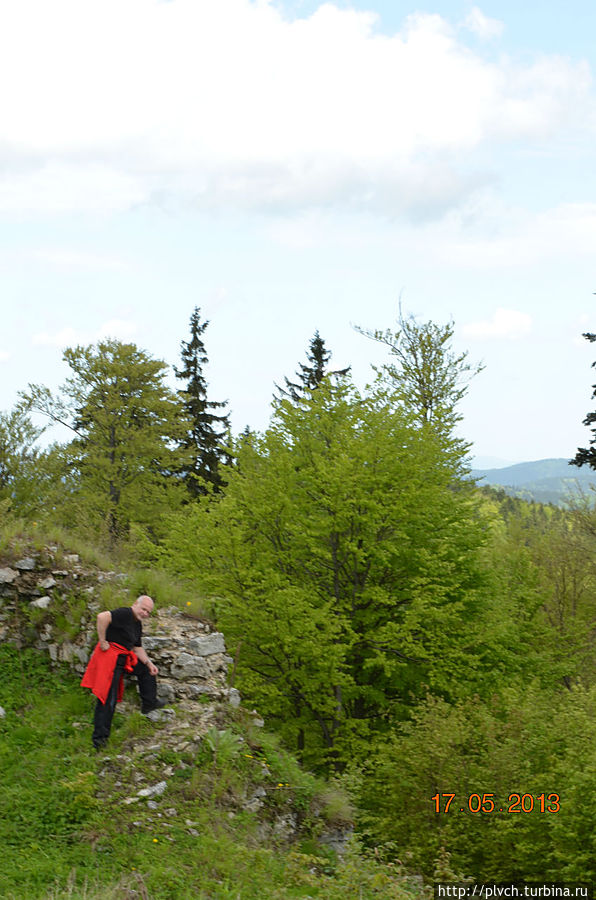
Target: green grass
<point x="67" y="832"/>
<point x="19" y="538"/>
<point x="167" y="591"/>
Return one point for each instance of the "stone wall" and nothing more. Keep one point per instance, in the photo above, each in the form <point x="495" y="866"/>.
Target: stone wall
<point x="50" y="600"/>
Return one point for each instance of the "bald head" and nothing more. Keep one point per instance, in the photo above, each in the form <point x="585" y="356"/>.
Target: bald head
<point x="142" y="607"/>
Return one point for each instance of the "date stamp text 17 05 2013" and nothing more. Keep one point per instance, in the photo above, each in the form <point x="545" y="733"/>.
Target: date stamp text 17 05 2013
<point x="489" y="803"/>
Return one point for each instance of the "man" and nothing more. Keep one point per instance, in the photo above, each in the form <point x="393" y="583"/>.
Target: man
<point x="120" y="650"/>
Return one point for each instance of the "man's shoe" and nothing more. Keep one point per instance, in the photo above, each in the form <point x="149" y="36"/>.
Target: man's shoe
<point x="149" y="707"/>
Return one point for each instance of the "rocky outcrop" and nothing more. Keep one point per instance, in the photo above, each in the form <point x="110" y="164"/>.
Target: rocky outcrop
<point x="191" y="656"/>
<point x="50" y="600"/>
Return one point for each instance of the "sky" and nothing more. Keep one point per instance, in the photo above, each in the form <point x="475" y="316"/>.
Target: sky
<point x="297" y="166"/>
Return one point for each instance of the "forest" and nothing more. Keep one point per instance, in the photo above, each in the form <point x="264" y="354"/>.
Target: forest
<point x="425" y="643"/>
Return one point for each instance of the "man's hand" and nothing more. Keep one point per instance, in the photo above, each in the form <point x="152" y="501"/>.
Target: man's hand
<point x="142" y="656"/>
<point x="103" y="620"/>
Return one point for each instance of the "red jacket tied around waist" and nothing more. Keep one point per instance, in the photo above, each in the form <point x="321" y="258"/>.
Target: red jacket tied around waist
<point x="100" y="670"/>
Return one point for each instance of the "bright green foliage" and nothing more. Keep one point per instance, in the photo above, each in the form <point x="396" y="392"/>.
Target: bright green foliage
<point x="19" y="461"/>
<point x="68" y="832"/>
<point x="344" y="549"/>
<point x="566" y="578"/>
<point x="540" y="590"/>
<point x="424" y="372"/>
<point x="524" y="741"/>
<point x="124" y="419"/>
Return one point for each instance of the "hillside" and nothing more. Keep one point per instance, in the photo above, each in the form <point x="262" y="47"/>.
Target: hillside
<point x="544" y="481"/>
<point x="196" y="801"/>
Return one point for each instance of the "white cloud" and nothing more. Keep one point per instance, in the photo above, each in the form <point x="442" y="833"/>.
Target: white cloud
<point x="4" y="356"/>
<point x="490" y="236"/>
<point x="66" y="337"/>
<point x="65" y="258"/>
<point x="482" y="26"/>
<point x="116" y="103"/>
<point x="119" y="329"/>
<point x="505" y="323"/>
<point x="67" y="186"/>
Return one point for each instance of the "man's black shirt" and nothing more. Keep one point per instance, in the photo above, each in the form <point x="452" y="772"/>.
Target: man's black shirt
<point x="124" y="629"/>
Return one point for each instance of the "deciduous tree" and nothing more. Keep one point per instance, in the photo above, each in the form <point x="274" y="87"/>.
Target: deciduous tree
<point x="18" y="459"/>
<point x="425" y="373"/>
<point x="344" y="548"/>
<point x="125" y="422"/>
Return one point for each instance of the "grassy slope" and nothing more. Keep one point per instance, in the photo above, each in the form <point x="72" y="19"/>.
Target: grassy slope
<point x="67" y="830"/>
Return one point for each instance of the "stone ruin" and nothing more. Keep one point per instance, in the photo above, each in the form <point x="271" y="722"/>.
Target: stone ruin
<point x="34" y="591"/>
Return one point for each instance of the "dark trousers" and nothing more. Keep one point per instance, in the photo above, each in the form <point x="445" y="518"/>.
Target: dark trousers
<point x="104" y="712"/>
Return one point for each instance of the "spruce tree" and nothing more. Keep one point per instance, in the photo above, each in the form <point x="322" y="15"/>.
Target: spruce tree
<point x="586" y="456"/>
<point x="208" y="431"/>
<point x="309" y="376"/>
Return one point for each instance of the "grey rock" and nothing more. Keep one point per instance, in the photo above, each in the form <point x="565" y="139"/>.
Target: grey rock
<point x="7" y="576"/>
<point x="71" y="559"/>
<point x="155" y="791"/>
<point x="208" y="644"/>
<point x="160" y="715"/>
<point x="187" y="666"/>
<point x="337" y="838"/>
<point x="66" y="652"/>
<point x="2" y="712"/>
<point x="197" y="690"/>
<point x="156" y="643"/>
<point x="234" y="698"/>
<point x="165" y="691"/>
<point x="27" y="564"/>
<point x="42" y="603"/>
<point x="285" y="826"/>
<point x="256" y="800"/>
<point x="46" y="583"/>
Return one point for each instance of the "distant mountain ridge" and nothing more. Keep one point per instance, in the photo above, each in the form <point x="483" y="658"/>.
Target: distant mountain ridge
<point x="544" y="480"/>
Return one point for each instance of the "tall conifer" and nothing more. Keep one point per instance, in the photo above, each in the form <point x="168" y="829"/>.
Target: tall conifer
<point x="208" y="430"/>
<point x="309" y="376"/>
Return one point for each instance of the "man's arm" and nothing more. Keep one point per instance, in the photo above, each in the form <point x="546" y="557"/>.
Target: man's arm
<point x="103" y="620"/>
<point x="142" y="655"/>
